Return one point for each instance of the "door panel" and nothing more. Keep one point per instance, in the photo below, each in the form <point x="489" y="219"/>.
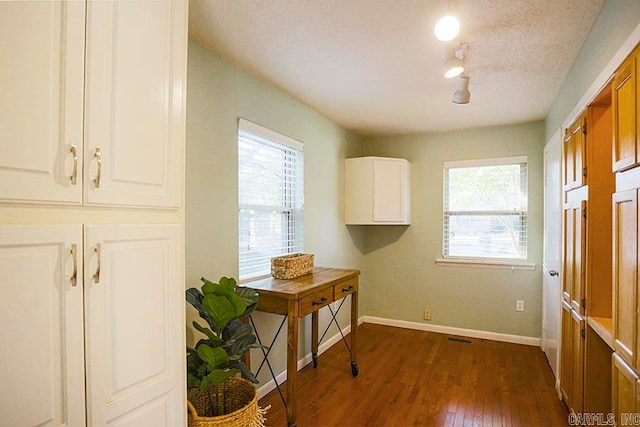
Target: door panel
<point x="41" y="84"/>
<point x="577" y="361"/>
<point x="41" y="326"/>
<point x="566" y="367"/>
<point x="624" y="115"/>
<point x="388" y="190"/>
<point x="624" y="391"/>
<point x="625" y="274"/>
<point x="552" y="253"/>
<point x="134" y="326"/>
<point x="134" y="102"/>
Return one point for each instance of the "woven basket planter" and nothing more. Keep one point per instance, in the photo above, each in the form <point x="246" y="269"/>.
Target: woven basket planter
<point x="290" y="266"/>
<point x="236" y="405"/>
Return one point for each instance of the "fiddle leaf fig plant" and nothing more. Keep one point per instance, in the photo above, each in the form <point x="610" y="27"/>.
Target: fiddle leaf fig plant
<point x="218" y="357"/>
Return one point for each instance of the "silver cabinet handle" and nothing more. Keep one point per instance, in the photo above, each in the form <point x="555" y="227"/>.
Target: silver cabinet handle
<point x="98" y="156"/>
<point x="74" y="257"/>
<point x="74" y="175"/>
<point x="553" y="273"/>
<point x="96" y="275"/>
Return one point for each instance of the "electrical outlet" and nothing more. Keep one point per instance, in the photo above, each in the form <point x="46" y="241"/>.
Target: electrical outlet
<point x="427" y="314"/>
<point x="519" y="305"/>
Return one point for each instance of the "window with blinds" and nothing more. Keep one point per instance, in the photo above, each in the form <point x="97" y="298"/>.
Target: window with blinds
<point x="485" y="209"/>
<point x="270" y="197"/>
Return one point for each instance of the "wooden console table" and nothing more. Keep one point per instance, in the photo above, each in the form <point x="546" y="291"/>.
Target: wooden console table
<point x="296" y="298"/>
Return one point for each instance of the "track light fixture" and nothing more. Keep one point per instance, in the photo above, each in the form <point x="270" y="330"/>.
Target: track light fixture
<point x="454" y="66"/>
<point x="462" y="94"/>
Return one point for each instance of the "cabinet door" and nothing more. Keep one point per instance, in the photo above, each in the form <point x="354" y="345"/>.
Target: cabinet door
<point x="568" y="160"/>
<point x="568" y="255"/>
<point x="625" y="274"/>
<point x="577" y="361"/>
<point x="390" y="191"/>
<point x="575" y="154"/>
<point x="566" y="355"/>
<point x="135" y="91"/>
<point x="624" y="115"/>
<point x="580" y="258"/>
<point x="134" y="298"/>
<point x="41" y="84"/>
<point x="624" y="391"/>
<point x="41" y="326"/>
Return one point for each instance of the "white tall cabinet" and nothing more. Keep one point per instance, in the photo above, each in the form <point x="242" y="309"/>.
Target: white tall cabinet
<point x="92" y="142"/>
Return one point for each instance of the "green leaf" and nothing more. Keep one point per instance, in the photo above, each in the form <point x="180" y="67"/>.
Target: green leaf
<point x="219" y="309"/>
<point x="215" y="357"/>
<point x="218" y="376"/>
<point x="238" y="304"/>
<point x="214" y="340"/>
<point x="228" y="283"/>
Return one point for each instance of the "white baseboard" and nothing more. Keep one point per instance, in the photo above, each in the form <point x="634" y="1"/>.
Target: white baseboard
<point x="494" y="336"/>
<point x="282" y="376"/>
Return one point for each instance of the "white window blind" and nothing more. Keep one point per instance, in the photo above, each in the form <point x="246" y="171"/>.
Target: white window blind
<point x="485" y="209"/>
<point x="270" y="196"/>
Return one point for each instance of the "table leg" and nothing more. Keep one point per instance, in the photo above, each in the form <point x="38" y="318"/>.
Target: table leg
<point x="354" y="333"/>
<point x="314" y="338"/>
<point x="292" y="364"/>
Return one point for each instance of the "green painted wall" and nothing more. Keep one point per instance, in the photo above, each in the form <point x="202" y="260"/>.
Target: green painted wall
<point x="217" y="94"/>
<point x="401" y="276"/>
<point x="617" y="19"/>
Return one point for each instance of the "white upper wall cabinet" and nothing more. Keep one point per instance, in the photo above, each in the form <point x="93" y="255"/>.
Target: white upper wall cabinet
<point x="101" y="123"/>
<point x="134" y="101"/>
<point x="41" y="85"/>
<point x="377" y="191"/>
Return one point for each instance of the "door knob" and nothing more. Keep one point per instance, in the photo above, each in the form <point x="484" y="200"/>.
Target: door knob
<point x="553" y="273"/>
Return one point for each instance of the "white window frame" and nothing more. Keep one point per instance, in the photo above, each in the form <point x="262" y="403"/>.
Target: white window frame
<point x="488" y="262"/>
<point x="294" y="215"/>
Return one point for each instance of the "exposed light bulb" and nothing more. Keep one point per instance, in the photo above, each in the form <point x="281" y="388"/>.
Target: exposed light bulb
<point x="447" y="28"/>
<point x="453" y="68"/>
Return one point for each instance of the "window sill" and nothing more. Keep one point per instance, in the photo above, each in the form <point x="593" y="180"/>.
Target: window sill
<point x="486" y="263"/>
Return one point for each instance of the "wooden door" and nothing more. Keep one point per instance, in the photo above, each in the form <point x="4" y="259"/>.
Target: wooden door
<point x="579" y="256"/>
<point x="625" y="274"/>
<point x="568" y="161"/>
<point x="42" y="50"/>
<point x="575" y="154"/>
<point x="624" y="391"/>
<point x="134" y="297"/>
<point x="566" y="355"/>
<point x="568" y="262"/>
<point x="577" y="362"/>
<point x="41" y="326"/>
<point x="390" y="190"/>
<point x="135" y="92"/>
<point x="624" y="115"/>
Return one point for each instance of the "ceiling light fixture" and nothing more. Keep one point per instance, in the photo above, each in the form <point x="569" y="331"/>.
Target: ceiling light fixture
<point x="462" y="94"/>
<point x="453" y="67"/>
<point x="447" y="28"/>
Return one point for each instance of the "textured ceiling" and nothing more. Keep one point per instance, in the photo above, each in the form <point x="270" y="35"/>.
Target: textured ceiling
<point x="375" y="67"/>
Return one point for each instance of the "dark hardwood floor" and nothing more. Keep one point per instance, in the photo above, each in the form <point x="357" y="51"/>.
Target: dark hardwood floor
<point x="414" y="378"/>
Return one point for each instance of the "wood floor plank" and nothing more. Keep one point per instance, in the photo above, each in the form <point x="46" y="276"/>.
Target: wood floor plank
<point x="417" y="378"/>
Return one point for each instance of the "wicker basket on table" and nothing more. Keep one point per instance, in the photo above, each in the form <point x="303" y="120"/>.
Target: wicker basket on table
<point x="290" y="266"/>
<point x="236" y="398"/>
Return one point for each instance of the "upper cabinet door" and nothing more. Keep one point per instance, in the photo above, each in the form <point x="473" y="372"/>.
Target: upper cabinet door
<point x="41" y="84"/>
<point x="624" y="115"/>
<point x="134" y="305"/>
<point x="390" y="190"/>
<point x="41" y="326"/>
<point x="135" y="102"/>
